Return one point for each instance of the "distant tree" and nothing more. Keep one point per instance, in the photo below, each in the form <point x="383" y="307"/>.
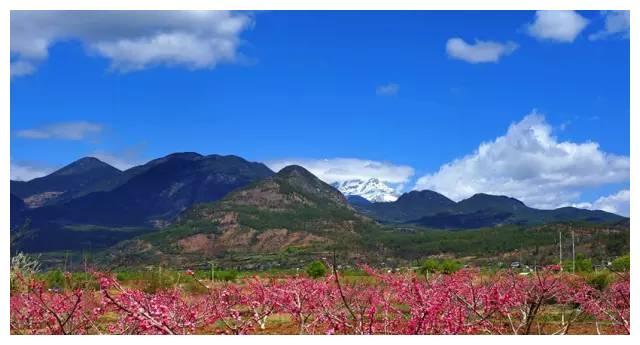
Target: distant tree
<point x="54" y="279"/>
<point x="316" y="269"/>
<point x="429" y="266"/>
<point x="449" y="266"/>
<point x="621" y="264"/>
<point x="582" y="264"/>
<point x="600" y="280"/>
<point x="23" y="265"/>
<point x="227" y="276"/>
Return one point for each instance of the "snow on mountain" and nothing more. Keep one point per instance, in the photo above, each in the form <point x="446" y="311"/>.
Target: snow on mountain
<point x="373" y="190"/>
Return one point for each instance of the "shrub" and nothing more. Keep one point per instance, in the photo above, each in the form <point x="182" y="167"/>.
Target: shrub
<point x="316" y="269"/>
<point x="449" y="266"/>
<point x="429" y="266"/>
<point x="599" y="280"/>
<point x="227" y="276"/>
<point x="160" y="279"/>
<point x="621" y="264"/>
<point x="54" y="279"/>
<point x="582" y="265"/>
<point x="23" y="265"/>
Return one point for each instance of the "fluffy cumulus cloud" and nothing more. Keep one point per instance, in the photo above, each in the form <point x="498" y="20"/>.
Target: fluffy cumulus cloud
<point x="345" y="169"/>
<point x="479" y="51"/>
<point x="558" y="26"/>
<point x="615" y="203"/>
<point x="131" y="40"/>
<point x="21" y="171"/>
<point x="616" y="24"/>
<point x="530" y="164"/>
<point x="390" y="89"/>
<point x="75" y="130"/>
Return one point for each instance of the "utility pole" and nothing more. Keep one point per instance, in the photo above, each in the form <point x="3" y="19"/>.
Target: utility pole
<point x="520" y="257"/>
<point x="560" y="234"/>
<point x="573" y="249"/>
<point x="212" y="270"/>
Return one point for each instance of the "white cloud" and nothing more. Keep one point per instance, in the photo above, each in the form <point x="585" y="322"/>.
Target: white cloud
<point x="480" y="51"/>
<point x="131" y="40"/>
<point x="390" y="89"/>
<point x="530" y="164"/>
<point x="21" y="171"/>
<point x="559" y="26"/>
<point x="616" y="23"/>
<point x="345" y="169"/>
<point x="75" y="130"/>
<point x="20" y="68"/>
<point x="617" y="203"/>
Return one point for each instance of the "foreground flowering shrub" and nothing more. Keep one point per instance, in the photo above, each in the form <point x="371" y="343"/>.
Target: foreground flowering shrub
<point x="37" y="310"/>
<point x="466" y="302"/>
<point x="609" y="306"/>
<point x="165" y="312"/>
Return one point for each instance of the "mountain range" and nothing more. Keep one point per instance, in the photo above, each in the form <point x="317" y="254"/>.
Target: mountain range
<point x="291" y="209"/>
<point x="124" y="203"/>
<point x="433" y="210"/>
<point x="210" y="205"/>
<point x="79" y="178"/>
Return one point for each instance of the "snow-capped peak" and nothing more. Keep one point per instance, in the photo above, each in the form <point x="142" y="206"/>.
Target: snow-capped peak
<point x="373" y="190"/>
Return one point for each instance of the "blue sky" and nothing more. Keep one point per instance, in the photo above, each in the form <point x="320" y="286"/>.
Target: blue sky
<point x="398" y="94"/>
